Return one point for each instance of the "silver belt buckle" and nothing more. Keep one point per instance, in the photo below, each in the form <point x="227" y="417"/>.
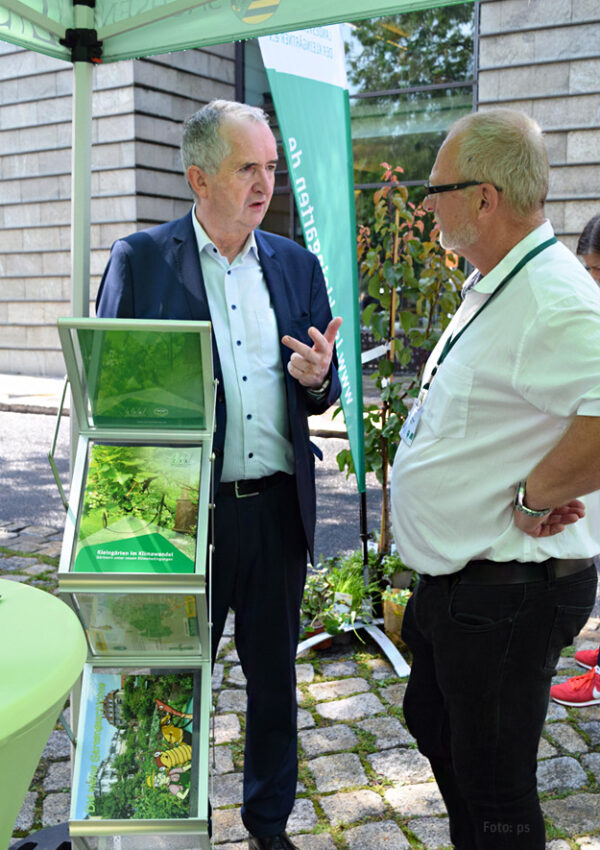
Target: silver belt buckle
<point x="239" y="495"/>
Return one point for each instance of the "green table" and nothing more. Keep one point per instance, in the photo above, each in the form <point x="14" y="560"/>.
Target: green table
<point x="43" y="650"/>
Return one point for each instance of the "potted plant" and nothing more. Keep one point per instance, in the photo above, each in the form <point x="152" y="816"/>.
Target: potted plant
<point x="394" y="605"/>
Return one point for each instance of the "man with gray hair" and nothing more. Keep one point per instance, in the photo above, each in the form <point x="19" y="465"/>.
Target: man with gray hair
<point x="273" y="349"/>
<point x="495" y="485"/>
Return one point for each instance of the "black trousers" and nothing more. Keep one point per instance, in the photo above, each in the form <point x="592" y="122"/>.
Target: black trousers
<point x="259" y="570"/>
<point x="477" y="697"/>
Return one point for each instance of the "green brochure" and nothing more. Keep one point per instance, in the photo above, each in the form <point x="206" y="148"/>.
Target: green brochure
<point x="140" y="510"/>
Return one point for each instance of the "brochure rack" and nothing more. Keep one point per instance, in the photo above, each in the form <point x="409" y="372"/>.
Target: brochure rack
<point x="134" y="568"/>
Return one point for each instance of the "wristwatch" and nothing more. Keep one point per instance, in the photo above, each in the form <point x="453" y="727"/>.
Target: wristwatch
<point x="519" y="503"/>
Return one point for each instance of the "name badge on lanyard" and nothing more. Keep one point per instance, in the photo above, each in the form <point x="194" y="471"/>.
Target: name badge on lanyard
<point x="411" y="423"/>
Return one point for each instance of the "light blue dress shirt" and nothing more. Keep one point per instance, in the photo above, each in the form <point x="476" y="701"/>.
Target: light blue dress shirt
<point x="257" y="437"/>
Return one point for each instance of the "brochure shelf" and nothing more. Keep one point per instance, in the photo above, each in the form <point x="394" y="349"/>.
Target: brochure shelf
<point x="134" y="568"/>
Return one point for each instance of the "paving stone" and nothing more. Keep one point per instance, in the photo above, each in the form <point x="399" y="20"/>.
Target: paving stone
<point x="303" y="816"/>
<point x="36" y="569"/>
<point x="15" y="577"/>
<point x="58" y="746"/>
<point x="305" y="672"/>
<point x="9" y="565"/>
<point x="380" y="668"/>
<point x="591" y="761"/>
<point x="402" y="765"/>
<point x="560" y="773"/>
<point x="394" y="694"/>
<point x="227" y="790"/>
<point x="217" y="677"/>
<point x="227" y="728"/>
<point x="589" y="842"/>
<point x="58" y="777"/>
<point x="558" y="845"/>
<point x="305" y="719"/>
<point x="25" y="817"/>
<point x="27" y="544"/>
<point x="592" y="730"/>
<point x="586" y="713"/>
<point x="556" y="712"/>
<point x="338" y="688"/>
<point x="51" y="549"/>
<point x="388" y="731"/>
<point x="351" y="806"/>
<point x="39" y="530"/>
<point x="333" y="773"/>
<point x="371" y="835"/>
<point x="546" y="750"/>
<point x="236" y="676"/>
<point x="6" y="536"/>
<point x="223" y="760"/>
<point x="314" y="842"/>
<point x="228" y="826"/>
<point x="351" y="708"/>
<point x="232" y="656"/>
<point x="431" y="832"/>
<point x="230" y="700"/>
<point x="567" y="738"/>
<point x="13" y="526"/>
<point x="327" y="739"/>
<point x="55" y="809"/>
<point x="339" y="669"/>
<point x="575" y="814"/>
<point x="416" y="800"/>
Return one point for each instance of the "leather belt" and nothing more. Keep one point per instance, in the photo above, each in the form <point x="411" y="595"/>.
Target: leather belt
<point x="515" y="572"/>
<point x="251" y="486"/>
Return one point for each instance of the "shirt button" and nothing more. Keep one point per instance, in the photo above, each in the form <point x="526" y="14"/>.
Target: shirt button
<point x="249" y="416"/>
<point x="234" y="306"/>
<point x="238" y="342"/>
<point x="250" y="454"/>
<point x="229" y="272"/>
<point x="244" y="377"/>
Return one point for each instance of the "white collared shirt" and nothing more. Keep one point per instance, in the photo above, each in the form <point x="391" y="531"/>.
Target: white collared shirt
<point x="502" y="398"/>
<point x="257" y="437"/>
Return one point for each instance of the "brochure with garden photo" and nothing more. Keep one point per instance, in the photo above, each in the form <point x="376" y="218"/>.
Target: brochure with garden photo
<point x="136" y="757"/>
<point x="140" y="510"/>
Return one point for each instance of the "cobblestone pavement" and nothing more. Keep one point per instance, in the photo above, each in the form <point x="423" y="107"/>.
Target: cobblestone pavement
<point x="362" y="785"/>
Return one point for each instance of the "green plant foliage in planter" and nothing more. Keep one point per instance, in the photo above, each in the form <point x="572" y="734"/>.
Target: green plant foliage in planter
<point x="341" y="576"/>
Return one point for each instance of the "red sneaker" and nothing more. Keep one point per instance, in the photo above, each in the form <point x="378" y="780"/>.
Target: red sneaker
<point x="579" y="690"/>
<point x="587" y="658"/>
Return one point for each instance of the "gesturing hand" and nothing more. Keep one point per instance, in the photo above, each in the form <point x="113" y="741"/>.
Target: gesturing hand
<point x="310" y="365"/>
<point x="554" y="523"/>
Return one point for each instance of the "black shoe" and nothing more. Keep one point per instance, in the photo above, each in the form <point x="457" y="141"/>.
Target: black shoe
<point x="271" y="842"/>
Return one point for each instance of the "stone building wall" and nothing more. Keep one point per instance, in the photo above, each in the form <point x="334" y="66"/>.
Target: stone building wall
<point x="138" y="107"/>
<point x="543" y="57"/>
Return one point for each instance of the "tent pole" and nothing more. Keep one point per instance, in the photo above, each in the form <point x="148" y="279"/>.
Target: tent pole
<point x="81" y="188"/>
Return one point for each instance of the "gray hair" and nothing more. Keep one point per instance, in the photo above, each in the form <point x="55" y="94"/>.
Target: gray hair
<point x="505" y="147"/>
<point x="202" y="143"/>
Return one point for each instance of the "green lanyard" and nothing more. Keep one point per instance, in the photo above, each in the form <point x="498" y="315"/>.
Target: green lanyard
<point x="452" y="340"/>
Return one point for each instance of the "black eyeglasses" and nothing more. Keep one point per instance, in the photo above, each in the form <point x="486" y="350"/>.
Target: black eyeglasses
<point x="451" y="187"/>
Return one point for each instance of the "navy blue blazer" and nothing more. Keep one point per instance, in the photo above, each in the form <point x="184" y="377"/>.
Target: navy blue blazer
<point x="156" y="274"/>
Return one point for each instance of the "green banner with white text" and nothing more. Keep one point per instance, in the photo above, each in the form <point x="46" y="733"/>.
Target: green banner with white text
<point x="307" y="77"/>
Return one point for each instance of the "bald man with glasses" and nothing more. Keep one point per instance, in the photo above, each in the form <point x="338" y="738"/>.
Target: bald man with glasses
<point x="495" y="486"/>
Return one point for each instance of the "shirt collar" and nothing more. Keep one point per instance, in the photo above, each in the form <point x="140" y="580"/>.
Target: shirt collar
<point x="490" y="281"/>
<point x="204" y="241"/>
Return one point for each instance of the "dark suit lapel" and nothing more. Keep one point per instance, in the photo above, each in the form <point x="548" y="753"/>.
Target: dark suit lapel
<point x="276" y="283"/>
<point x="187" y="261"/>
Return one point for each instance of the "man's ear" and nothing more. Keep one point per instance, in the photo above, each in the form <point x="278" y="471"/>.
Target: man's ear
<point x="197" y="179"/>
<point x="489" y="198"/>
